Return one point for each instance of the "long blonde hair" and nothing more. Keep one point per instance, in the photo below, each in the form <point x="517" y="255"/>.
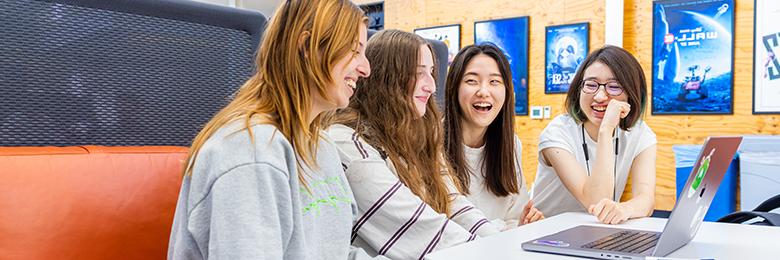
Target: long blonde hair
<point x="383" y="113"/>
<point x="303" y="41"/>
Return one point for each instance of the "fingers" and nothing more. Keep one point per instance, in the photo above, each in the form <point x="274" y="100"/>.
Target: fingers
<point x="526" y="210"/>
<point x="597" y="208"/>
<point x="620" y="216"/>
<point x="616" y="110"/>
<point x="607" y="212"/>
<point x="611" y="216"/>
<point x="626" y="110"/>
<point x="537" y="216"/>
<point x="528" y="206"/>
<point x="618" y="219"/>
<point x="623" y="212"/>
<point x="608" y="207"/>
<point x="623" y="108"/>
<point x="533" y="215"/>
<point x="529" y="216"/>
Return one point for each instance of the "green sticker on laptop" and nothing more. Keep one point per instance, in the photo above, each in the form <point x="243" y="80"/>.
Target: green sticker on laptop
<point x="703" y="167"/>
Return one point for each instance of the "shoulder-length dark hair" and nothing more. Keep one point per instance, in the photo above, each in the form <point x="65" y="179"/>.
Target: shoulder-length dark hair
<point x="383" y="113"/>
<point x="628" y="73"/>
<point x="499" y="162"/>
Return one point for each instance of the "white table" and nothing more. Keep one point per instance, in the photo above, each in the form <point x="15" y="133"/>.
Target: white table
<point x="714" y="240"/>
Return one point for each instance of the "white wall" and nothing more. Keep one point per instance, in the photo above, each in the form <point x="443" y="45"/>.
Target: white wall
<point x="266" y="7"/>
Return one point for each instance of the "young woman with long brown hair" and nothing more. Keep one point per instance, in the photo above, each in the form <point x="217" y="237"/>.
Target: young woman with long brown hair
<point x="479" y="136"/>
<point x="391" y="141"/>
<point x="260" y="181"/>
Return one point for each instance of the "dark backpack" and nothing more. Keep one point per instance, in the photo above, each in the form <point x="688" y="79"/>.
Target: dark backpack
<point x="762" y="211"/>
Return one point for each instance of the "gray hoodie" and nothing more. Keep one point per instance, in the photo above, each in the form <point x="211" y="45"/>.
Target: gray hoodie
<point x="244" y="201"/>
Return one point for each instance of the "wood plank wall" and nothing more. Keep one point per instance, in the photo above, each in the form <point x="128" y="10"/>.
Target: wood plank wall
<point x="679" y="129"/>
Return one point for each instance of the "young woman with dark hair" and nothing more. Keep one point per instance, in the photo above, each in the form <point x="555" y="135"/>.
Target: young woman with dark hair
<point x="587" y="154"/>
<point x="479" y="136"/>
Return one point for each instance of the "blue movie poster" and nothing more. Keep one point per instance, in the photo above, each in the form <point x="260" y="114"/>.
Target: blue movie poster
<point x="692" y="57"/>
<point x="511" y="35"/>
<point x="565" y="48"/>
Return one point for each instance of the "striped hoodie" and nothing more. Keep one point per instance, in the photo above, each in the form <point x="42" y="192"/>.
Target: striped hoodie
<point x="392" y="221"/>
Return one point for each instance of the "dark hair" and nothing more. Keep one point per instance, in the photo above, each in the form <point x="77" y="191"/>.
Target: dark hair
<point x="382" y="112"/>
<point x="628" y="73"/>
<point x="499" y="162"/>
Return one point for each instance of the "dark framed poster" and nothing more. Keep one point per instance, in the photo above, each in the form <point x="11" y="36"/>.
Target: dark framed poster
<point x="449" y="34"/>
<point x="566" y="46"/>
<point x="766" y="66"/>
<point x="693" y="54"/>
<point x="376" y="15"/>
<point x="511" y="36"/>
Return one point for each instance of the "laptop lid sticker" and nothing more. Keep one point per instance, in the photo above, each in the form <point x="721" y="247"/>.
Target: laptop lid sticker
<point x="703" y="168"/>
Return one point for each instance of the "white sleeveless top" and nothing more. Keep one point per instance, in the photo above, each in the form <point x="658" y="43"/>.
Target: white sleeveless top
<point x="548" y="192"/>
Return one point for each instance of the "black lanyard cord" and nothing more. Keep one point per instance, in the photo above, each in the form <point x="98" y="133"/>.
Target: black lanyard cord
<point x="587" y="157"/>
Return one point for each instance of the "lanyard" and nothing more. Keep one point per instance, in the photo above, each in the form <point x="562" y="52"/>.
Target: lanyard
<point x="587" y="157"/>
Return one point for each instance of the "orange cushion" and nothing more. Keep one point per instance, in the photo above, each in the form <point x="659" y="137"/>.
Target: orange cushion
<point x="88" y="202"/>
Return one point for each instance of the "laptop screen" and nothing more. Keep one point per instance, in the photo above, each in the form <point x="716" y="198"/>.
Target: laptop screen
<point x="695" y="198"/>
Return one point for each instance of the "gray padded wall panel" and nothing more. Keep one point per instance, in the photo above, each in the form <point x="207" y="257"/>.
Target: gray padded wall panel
<point x="78" y="75"/>
<point x="441" y="54"/>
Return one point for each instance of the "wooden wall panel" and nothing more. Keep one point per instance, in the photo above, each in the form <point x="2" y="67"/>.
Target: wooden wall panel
<point x="411" y="14"/>
<point x="683" y="129"/>
<point x="679" y="129"/>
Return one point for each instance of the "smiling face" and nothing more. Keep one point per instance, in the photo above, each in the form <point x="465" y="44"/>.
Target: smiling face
<point x="481" y="93"/>
<point x="347" y="70"/>
<point x="425" y="85"/>
<point x="594" y="105"/>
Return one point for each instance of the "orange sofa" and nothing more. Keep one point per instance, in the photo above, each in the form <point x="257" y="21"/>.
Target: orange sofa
<point x="89" y="202"/>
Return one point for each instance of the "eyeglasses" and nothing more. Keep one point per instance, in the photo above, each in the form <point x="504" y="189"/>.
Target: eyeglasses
<point x="612" y="88"/>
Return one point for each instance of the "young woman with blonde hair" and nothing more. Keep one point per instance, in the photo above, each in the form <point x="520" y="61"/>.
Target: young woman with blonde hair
<point x="260" y="181"/>
<point x="391" y="144"/>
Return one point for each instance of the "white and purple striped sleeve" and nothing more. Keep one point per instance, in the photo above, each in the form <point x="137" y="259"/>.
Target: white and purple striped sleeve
<point x="463" y="212"/>
<point x="392" y="220"/>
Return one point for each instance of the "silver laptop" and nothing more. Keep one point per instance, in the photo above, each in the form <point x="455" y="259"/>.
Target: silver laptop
<point x="683" y="223"/>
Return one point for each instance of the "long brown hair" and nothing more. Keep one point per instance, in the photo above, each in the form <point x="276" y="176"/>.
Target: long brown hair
<point x="303" y="42"/>
<point x="629" y="74"/>
<point x="499" y="161"/>
<point x="383" y="113"/>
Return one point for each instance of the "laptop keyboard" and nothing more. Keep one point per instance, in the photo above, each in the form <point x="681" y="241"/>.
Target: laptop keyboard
<point x="625" y="241"/>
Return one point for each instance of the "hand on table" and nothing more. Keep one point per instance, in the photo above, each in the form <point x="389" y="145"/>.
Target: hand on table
<point x="610" y="212"/>
<point x="530" y="214"/>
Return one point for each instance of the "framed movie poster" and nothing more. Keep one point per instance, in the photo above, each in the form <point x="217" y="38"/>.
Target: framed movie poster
<point x="766" y="66"/>
<point x="565" y="48"/>
<point x="511" y="36"/>
<point x="449" y="34"/>
<point x="693" y="53"/>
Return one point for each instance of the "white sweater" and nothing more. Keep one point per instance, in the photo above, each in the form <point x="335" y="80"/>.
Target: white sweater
<point x="501" y="211"/>
<point x="393" y="221"/>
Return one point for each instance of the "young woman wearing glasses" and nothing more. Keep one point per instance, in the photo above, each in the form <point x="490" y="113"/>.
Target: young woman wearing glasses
<point x="586" y="155"/>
